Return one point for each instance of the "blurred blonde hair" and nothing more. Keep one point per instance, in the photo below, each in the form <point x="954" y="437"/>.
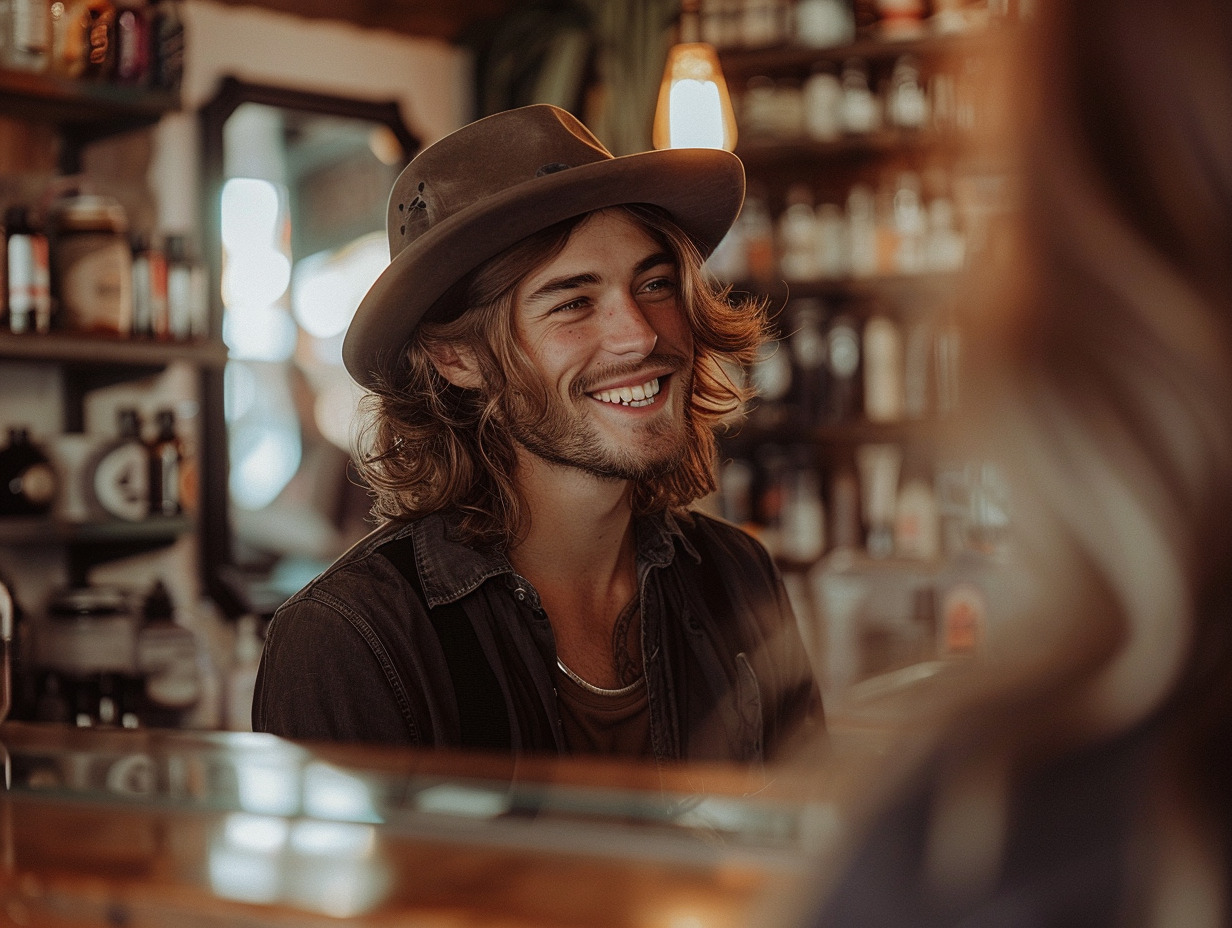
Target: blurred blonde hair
<point x="1099" y="376"/>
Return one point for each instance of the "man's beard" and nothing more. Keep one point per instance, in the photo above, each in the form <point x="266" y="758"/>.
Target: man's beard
<point x="564" y="435"/>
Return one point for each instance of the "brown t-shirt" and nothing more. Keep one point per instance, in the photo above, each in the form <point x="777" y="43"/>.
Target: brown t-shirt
<point x="603" y="724"/>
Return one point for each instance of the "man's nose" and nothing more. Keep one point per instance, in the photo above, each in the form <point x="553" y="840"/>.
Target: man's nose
<point x="627" y="330"/>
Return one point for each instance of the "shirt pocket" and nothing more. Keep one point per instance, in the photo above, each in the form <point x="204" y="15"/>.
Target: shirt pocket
<point x="749" y="709"/>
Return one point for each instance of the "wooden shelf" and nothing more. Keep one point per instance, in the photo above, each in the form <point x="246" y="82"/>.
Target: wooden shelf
<point x="42" y="530"/>
<point x="91" y="110"/>
<point x="897" y="289"/>
<point x="761" y="150"/>
<point x="74" y="348"/>
<point x="857" y="432"/>
<point x="739" y="64"/>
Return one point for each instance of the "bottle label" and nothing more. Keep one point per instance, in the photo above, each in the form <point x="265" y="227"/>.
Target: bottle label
<point x="36" y="485"/>
<point x="96" y="282"/>
<point x="29" y="283"/>
<point x="121" y="482"/>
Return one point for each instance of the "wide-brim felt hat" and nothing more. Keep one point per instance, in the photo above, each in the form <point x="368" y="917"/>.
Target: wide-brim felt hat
<point x="490" y="184"/>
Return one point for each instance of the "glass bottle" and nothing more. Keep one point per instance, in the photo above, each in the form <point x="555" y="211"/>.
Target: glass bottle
<point x="843" y="362"/>
<point x="27" y="480"/>
<point x="122" y="473"/>
<point x="797" y="235"/>
<point x="132" y="43"/>
<point x="808" y="357"/>
<point x="167" y="43"/>
<point x="28" y="273"/>
<point x="166" y="455"/>
<point x="25" y="43"/>
<point x="883" y="370"/>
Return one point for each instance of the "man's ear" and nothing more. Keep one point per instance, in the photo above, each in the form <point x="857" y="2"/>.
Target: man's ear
<point x="456" y="364"/>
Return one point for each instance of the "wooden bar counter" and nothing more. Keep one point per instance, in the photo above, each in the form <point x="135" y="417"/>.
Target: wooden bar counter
<point x="186" y="830"/>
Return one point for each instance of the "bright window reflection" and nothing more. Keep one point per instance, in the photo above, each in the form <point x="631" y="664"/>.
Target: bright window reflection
<point x="328" y="867"/>
<point x="334" y="410"/>
<point x="264" y="458"/>
<point x="244" y="858"/>
<point x="328" y="286"/>
<point x="254" y="278"/>
<point x="330" y="793"/>
<point x="252" y="211"/>
<point x="265" y="333"/>
<point x="267" y="788"/>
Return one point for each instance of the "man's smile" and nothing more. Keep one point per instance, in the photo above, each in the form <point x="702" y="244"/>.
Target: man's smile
<point x="642" y="394"/>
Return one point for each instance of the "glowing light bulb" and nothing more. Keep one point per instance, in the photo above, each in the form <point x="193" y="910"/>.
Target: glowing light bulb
<point x="694" y="108"/>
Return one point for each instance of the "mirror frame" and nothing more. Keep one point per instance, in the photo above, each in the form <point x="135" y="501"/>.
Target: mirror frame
<point x="224" y="583"/>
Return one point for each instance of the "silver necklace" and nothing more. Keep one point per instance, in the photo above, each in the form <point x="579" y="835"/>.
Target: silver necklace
<point x="598" y="690"/>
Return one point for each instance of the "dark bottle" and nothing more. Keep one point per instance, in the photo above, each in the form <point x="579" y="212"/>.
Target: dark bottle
<point x="167" y="45"/>
<point x="167" y="660"/>
<point x="843" y="358"/>
<point x="166" y="456"/>
<point x="122" y="472"/>
<point x="808" y="358"/>
<point x="27" y="480"/>
<point x="53" y="704"/>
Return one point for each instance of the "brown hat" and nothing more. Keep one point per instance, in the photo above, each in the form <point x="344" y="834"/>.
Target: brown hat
<point x="492" y="183"/>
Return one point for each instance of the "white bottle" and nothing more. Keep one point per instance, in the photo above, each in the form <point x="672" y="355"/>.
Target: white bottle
<point x="26" y="42"/>
<point x="797" y="236"/>
<point x="824" y="23"/>
<point x="910" y="225"/>
<point x="832" y="246"/>
<point x="907" y="104"/>
<point x="917" y="526"/>
<point x="823" y="101"/>
<point x="804" y="518"/>
<point x="861" y="110"/>
<point x="862" y="230"/>
<point x="883" y="370"/>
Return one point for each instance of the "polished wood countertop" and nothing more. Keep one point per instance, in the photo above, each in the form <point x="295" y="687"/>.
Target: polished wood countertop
<point x="170" y="829"/>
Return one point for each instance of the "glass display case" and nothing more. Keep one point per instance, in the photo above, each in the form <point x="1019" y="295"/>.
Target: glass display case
<point x="173" y="828"/>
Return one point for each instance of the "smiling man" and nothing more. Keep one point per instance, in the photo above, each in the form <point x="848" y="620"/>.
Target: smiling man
<point x="547" y="362"/>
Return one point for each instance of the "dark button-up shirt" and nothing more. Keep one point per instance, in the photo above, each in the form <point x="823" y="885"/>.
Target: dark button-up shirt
<point x="354" y="657"/>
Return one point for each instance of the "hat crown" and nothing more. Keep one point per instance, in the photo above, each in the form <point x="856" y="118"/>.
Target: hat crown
<point x="483" y="160"/>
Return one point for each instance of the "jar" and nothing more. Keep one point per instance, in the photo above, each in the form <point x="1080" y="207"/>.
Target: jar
<point x="92" y="265"/>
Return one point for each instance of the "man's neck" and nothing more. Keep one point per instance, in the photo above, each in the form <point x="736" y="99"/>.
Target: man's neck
<point x="579" y="554"/>
<point x="580" y="525"/>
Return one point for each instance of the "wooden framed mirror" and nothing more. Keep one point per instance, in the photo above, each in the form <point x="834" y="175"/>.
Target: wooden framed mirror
<point x="295" y="186"/>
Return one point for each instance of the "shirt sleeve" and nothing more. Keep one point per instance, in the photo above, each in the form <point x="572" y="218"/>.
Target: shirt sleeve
<point x="321" y="678"/>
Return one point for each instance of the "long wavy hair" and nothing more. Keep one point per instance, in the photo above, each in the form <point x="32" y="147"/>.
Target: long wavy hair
<point x="427" y="445"/>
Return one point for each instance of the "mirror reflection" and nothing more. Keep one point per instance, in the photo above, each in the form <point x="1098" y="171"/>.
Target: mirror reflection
<point x="302" y="217"/>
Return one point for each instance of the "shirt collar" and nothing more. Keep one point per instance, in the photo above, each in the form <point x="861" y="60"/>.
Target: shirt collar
<point x="450" y="569"/>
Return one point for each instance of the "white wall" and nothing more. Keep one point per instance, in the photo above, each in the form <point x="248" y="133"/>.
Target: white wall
<point x="431" y="80"/>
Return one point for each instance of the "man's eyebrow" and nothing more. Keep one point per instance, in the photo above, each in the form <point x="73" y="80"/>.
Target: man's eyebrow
<point x="561" y="284"/>
<point x="574" y="281"/>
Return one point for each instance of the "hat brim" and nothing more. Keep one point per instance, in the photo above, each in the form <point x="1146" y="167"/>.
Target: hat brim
<point x="702" y="189"/>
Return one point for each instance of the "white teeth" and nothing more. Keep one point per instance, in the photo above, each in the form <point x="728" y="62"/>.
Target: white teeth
<point x="641" y="395"/>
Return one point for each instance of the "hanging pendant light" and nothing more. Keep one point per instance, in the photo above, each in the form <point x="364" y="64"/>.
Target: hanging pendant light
<point x="694" y="108"/>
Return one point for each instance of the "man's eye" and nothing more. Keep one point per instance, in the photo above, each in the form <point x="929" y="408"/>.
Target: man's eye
<point x="659" y="285"/>
<point x="572" y="304"/>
